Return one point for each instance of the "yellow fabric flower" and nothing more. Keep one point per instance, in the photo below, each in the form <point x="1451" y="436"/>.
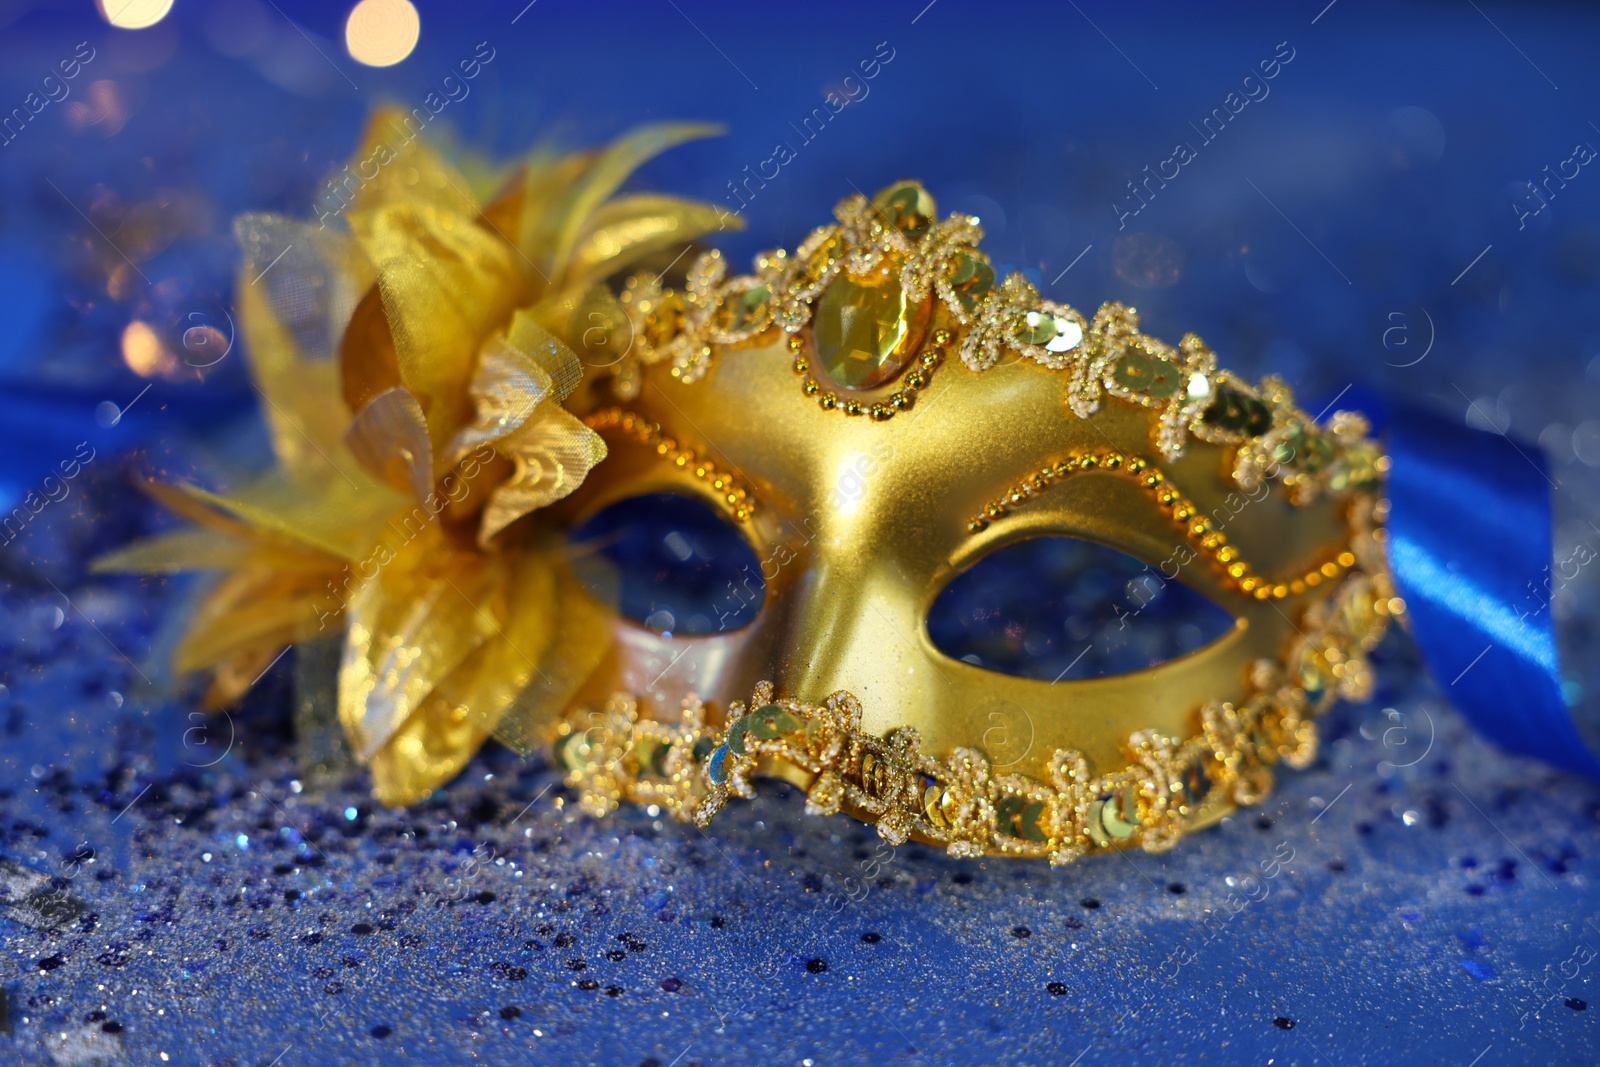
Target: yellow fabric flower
<point x="413" y="358"/>
<point x="522" y="377"/>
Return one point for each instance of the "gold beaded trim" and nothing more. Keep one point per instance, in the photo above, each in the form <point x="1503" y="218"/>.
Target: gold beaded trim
<point x="960" y="802"/>
<point x="1108" y="355"/>
<point x="912" y="381"/>
<point x="739" y="500"/>
<point x="1184" y="514"/>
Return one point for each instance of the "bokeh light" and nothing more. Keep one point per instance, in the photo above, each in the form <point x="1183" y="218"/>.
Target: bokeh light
<point x="134" y="14"/>
<point x="380" y="33"/>
<point x="144" y="352"/>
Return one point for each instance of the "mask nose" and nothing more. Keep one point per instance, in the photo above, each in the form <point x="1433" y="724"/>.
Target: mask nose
<point x="851" y="618"/>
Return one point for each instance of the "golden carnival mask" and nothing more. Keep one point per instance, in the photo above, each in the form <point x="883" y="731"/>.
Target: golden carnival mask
<point x="873" y="414"/>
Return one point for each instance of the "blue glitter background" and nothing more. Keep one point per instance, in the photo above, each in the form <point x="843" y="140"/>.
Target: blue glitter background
<point x="174" y="891"/>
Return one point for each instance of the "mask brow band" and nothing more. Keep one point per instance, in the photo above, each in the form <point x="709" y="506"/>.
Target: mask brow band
<point x="733" y="494"/>
<point x="1242" y="576"/>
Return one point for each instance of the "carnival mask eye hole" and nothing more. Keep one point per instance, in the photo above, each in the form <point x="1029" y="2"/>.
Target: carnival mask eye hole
<point x="1059" y="608"/>
<point x="670" y="563"/>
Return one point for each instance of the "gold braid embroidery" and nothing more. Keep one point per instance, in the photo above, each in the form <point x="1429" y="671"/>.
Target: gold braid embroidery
<point x="737" y="497"/>
<point x="958" y="802"/>
<point x="1183" y="511"/>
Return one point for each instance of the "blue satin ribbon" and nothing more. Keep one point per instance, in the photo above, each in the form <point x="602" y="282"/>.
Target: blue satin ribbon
<point x="1469" y="547"/>
<point x="44" y="424"/>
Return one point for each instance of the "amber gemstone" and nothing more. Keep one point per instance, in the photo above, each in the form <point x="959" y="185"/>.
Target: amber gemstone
<point x="865" y="329"/>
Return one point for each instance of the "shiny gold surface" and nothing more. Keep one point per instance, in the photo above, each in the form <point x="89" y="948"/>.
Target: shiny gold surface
<point x="862" y="523"/>
<point x="867" y="329"/>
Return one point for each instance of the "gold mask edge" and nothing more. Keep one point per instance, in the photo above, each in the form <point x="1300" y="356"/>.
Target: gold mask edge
<point x="958" y="800"/>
